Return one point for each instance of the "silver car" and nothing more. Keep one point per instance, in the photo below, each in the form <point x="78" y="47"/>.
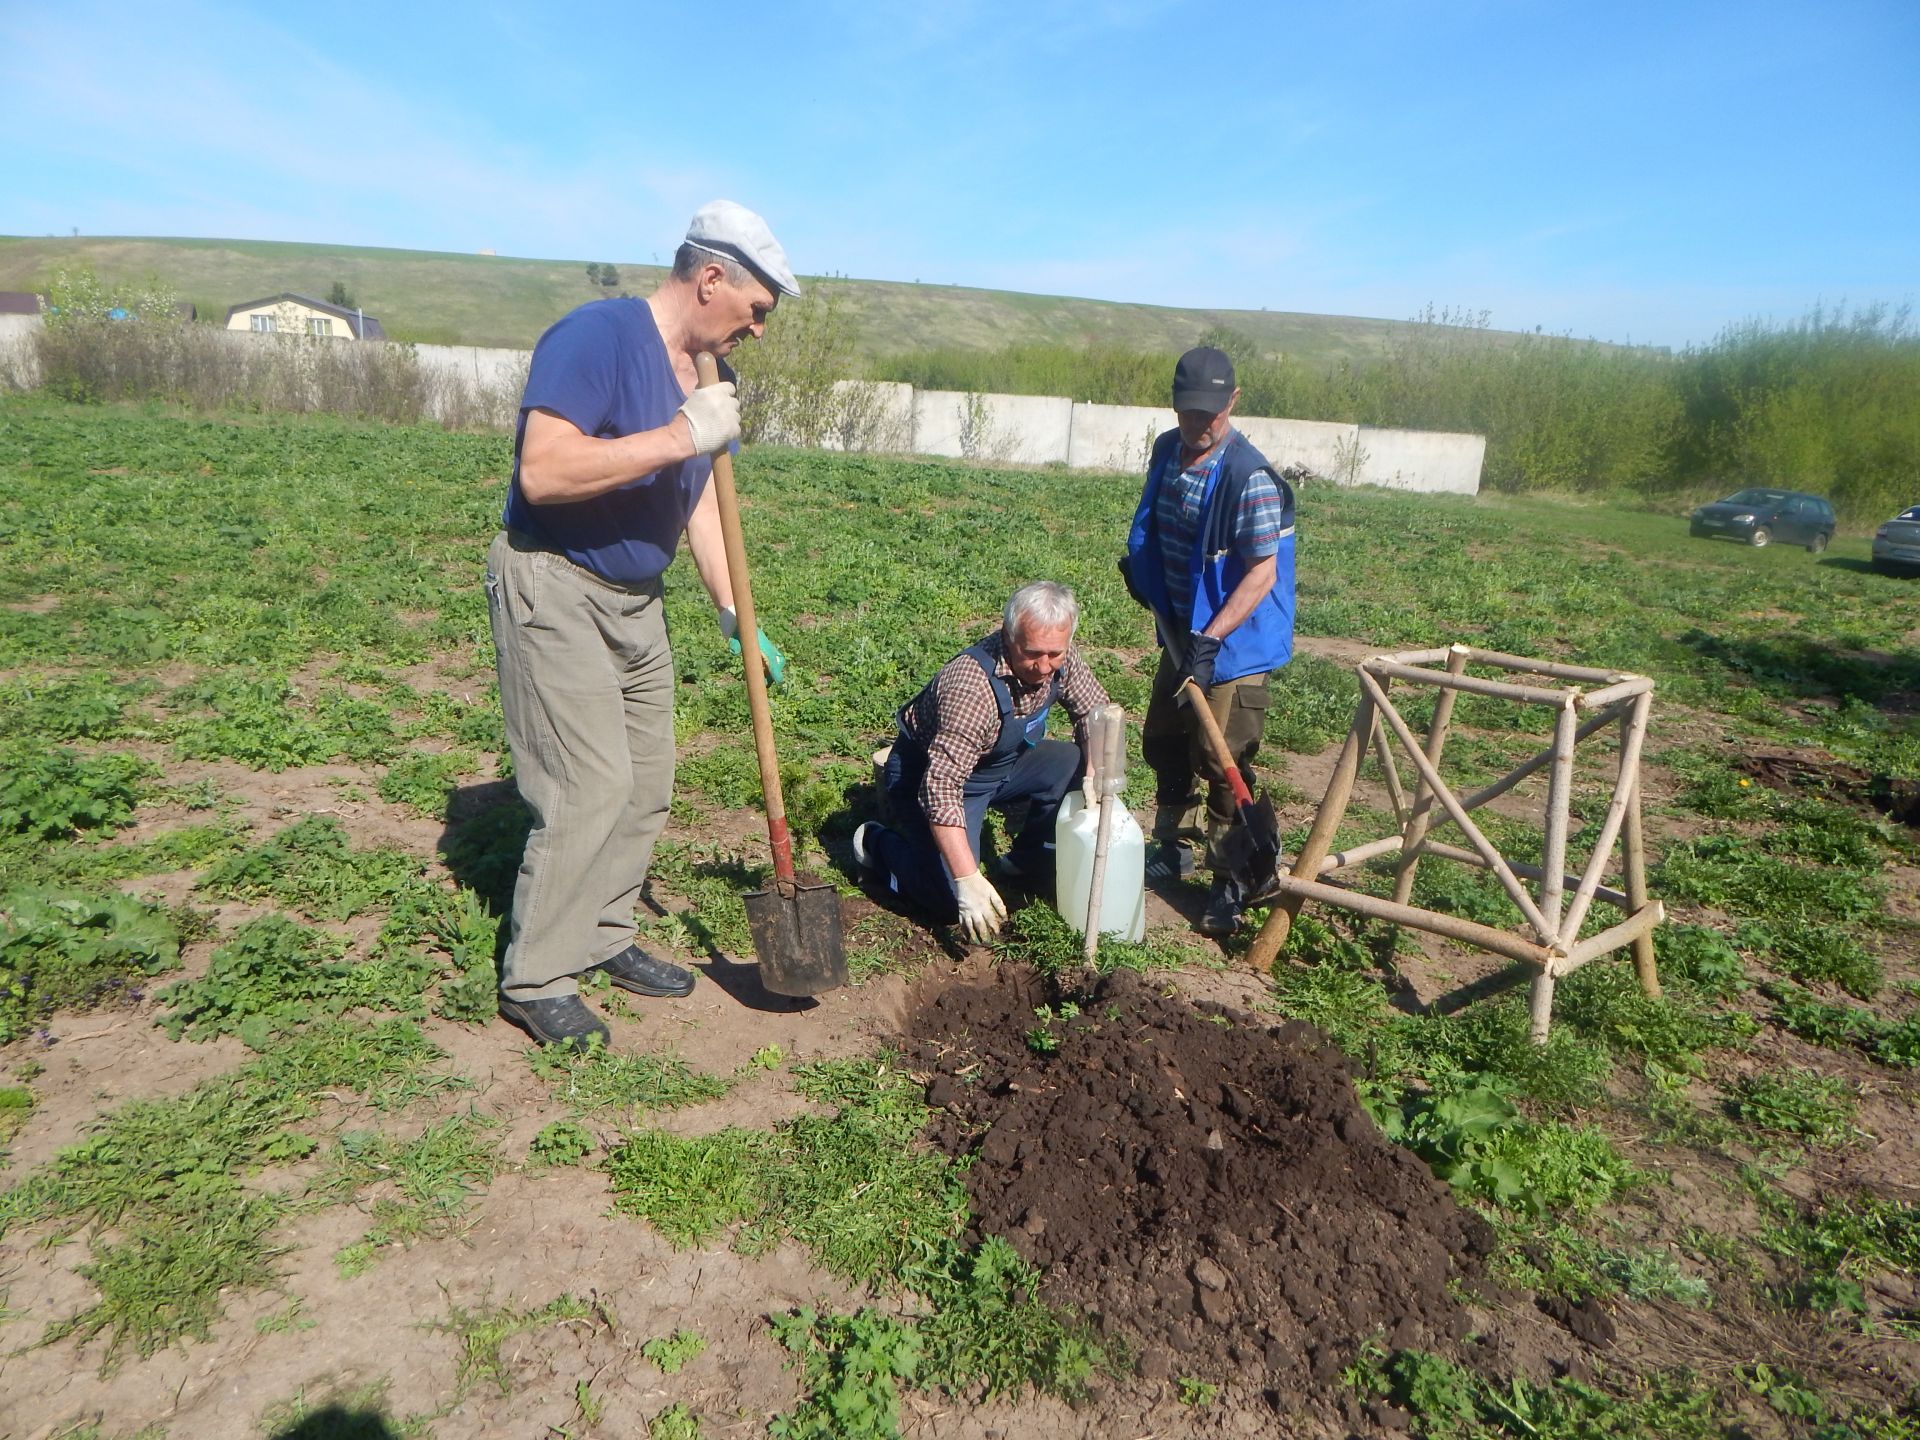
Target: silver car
<point x="1896" y="544"/>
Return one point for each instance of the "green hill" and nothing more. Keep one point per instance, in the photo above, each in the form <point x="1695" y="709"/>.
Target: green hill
<point x="440" y="297"/>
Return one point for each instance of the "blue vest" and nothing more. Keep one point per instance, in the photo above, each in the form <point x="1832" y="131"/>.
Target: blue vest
<point x="1018" y="734"/>
<point x="1264" y="640"/>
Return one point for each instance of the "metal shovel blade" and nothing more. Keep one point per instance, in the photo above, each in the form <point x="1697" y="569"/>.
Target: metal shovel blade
<point x="797" y="937"/>
<point x="1250" y="851"/>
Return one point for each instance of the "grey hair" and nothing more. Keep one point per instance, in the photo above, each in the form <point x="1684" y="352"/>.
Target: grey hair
<point x="1045" y="603"/>
<point x="689" y="258"/>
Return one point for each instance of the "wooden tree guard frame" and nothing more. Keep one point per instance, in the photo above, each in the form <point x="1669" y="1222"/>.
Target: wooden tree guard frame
<point x="1621" y="701"/>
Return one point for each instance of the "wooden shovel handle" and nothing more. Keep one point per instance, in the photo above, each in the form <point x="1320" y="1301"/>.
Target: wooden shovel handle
<point x="778" y="836"/>
<point x="1203" y="712"/>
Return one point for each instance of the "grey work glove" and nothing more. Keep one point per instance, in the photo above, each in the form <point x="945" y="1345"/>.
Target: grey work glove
<point x="713" y="418"/>
<point x="981" y="908"/>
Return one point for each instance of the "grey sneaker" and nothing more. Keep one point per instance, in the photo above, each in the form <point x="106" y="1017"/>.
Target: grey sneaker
<point x="634" y="969"/>
<point x="563" y="1020"/>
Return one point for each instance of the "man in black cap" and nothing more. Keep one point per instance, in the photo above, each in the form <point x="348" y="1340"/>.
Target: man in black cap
<point x="610" y="467"/>
<point x="1211" y="554"/>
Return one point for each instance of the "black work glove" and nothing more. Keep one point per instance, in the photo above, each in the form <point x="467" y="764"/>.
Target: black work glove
<point x="1125" y="566"/>
<point x="1202" y="651"/>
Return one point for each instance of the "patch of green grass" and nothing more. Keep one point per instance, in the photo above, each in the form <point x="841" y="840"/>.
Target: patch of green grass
<point x="1815" y="954"/>
<point x="87" y="706"/>
<point x="689" y="1188"/>
<point x="456" y="925"/>
<point x="423" y="782"/>
<point x="714" y="883"/>
<point x="1841" y="1027"/>
<point x="430" y="1179"/>
<point x="1807" y="1106"/>
<point x="1312" y="705"/>
<point x="312" y="866"/>
<point x="672" y="1352"/>
<point x="1730" y="874"/>
<point x="1605" y="1001"/>
<point x="49" y="794"/>
<point x="81" y="863"/>
<point x="1480" y="1144"/>
<point x="65" y="951"/>
<point x="275" y="973"/>
<point x="563" y="1142"/>
<point x="1448" y="1400"/>
<point x="676" y="1422"/>
<point x="1036" y="935"/>
<point x="1699" y="957"/>
<point x="600" y="1079"/>
<point x="1856" y="1235"/>
<point x="263" y="722"/>
<point x="852" y="1367"/>
<point x="483" y="1331"/>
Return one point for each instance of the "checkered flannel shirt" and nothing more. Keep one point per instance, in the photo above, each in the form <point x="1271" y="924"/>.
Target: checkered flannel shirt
<point x="962" y="718"/>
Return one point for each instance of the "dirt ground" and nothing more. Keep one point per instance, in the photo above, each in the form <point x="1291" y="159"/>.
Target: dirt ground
<point x="1194" y="1177"/>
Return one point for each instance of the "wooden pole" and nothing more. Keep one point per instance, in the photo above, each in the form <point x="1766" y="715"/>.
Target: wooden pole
<point x="1633" y="867"/>
<point x="1420" y="817"/>
<point x="1513" y="777"/>
<point x="1390" y="772"/>
<point x="1498" y="689"/>
<point x="1333" y="808"/>
<point x="1468" y="932"/>
<point x="1495" y="861"/>
<point x="1553" y="856"/>
<point x="1613" y="897"/>
<point x="779" y="838"/>
<point x="1632" y="739"/>
<point x="1100" y="733"/>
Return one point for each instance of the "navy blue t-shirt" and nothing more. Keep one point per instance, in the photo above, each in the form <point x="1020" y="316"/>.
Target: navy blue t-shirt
<point x="604" y="368"/>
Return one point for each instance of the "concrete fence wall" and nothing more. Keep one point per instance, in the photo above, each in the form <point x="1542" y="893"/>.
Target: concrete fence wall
<point x="1009" y="429"/>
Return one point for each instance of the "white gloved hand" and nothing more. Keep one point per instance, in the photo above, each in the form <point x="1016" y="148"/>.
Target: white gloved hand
<point x="713" y="418"/>
<point x="981" y="908"/>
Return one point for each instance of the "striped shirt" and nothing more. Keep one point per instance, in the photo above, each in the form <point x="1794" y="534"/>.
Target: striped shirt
<point x="1263" y="519"/>
<point x="957" y="719"/>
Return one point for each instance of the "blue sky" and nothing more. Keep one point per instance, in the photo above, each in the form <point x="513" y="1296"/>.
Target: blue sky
<point x="1645" y="172"/>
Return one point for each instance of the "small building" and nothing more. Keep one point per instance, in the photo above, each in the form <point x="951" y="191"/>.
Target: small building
<point x="291" y="314"/>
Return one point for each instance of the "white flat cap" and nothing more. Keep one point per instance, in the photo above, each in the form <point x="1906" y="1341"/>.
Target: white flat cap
<point x="722" y="227"/>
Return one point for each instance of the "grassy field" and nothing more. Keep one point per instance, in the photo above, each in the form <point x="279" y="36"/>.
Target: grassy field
<point x="503" y="300"/>
<point x="257" y="834"/>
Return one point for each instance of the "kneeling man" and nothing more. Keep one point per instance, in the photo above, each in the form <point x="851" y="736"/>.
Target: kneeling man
<point x="976" y="736"/>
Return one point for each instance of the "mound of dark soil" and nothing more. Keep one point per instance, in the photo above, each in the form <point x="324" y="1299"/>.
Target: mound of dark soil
<point x="1196" y="1177"/>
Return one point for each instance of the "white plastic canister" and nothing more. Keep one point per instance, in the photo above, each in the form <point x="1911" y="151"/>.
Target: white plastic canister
<point x="1123" y="894"/>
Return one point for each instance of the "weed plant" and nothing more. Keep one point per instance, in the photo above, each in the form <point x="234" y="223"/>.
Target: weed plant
<point x="1801" y="1104"/>
<point x="62" y="950"/>
<point x="51" y="794"/>
<point x="312" y="866"/>
<point x="599" y="1080"/>
<point x="430" y="1179"/>
<point x="275" y="973"/>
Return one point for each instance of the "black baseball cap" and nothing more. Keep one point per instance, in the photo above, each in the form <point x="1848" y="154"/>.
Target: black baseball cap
<point x="1203" y="380"/>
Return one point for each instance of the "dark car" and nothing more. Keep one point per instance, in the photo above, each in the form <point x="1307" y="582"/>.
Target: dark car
<point x="1896" y="544"/>
<point x="1760" y="517"/>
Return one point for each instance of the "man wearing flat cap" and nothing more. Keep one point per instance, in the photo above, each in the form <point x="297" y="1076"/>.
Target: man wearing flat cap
<point x="1211" y="554"/>
<point x="610" y="465"/>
